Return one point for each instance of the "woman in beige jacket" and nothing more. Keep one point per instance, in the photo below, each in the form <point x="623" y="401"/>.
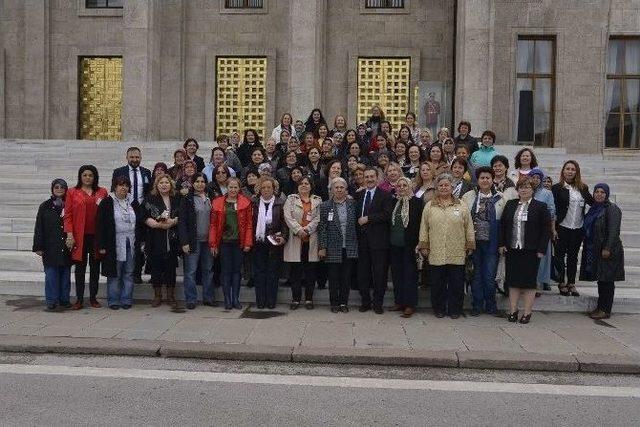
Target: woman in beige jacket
<point x="446" y="238"/>
<point x="302" y="215"/>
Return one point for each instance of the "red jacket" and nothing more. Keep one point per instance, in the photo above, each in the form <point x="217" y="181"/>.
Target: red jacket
<point x="75" y="216"/>
<point x="245" y="222"/>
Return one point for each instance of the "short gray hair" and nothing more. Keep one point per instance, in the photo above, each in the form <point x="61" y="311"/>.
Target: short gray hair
<point x="337" y="179"/>
<point x="445" y="176"/>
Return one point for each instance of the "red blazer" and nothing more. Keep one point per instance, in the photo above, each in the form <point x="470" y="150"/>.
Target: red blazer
<point x="245" y="222"/>
<point x="74" y="218"/>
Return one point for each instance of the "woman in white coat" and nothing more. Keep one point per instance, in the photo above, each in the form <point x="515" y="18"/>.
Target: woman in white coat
<point x="302" y="214"/>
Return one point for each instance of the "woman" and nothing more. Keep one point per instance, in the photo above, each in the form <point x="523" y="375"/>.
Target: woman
<point x="271" y="153"/>
<point x="460" y="185"/>
<point x="412" y="167"/>
<point x="501" y="182"/>
<point x="405" y="228"/>
<point x="286" y="121"/>
<point x="339" y="126"/>
<point x="257" y="158"/>
<point x="159" y="169"/>
<point x="321" y="133"/>
<point x="191" y="147"/>
<point x="362" y="136"/>
<point x="116" y="237"/>
<point x="183" y="184"/>
<point x="161" y="244"/>
<point x="382" y="162"/>
<point x="545" y="196"/>
<point x="179" y="157"/>
<point x="49" y="244"/>
<point x="251" y="141"/>
<point x="442" y="135"/>
<point x="446" y="238"/>
<point x="424" y="184"/>
<point x="314" y="165"/>
<point x="314" y="120"/>
<point x="218" y="187"/>
<point x="426" y="139"/>
<point x="333" y="170"/>
<point x="404" y="135"/>
<point x="436" y="160"/>
<point x="80" y="215"/>
<point x="270" y="235"/>
<point x="486" y="151"/>
<point x="379" y="144"/>
<point x="602" y="254"/>
<point x="373" y="124"/>
<point x="411" y="122"/>
<point x="338" y="243"/>
<point x="392" y="175"/>
<point x="486" y="206"/>
<point x="249" y="189"/>
<point x="356" y="151"/>
<point x="525" y="160"/>
<point x="231" y="158"/>
<point x="295" y="175"/>
<point x="357" y="180"/>
<point x="301" y="213"/>
<point x="283" y="175"/>
<point x="524" y="235"/>
<point x="308" y="141"/>
<point x="570" y="196"/>
<point x="547" y="182"/>
<point x="400" y="151"/>
<point x="218" y="158"/>
<point x="193" y="231"/>
<point x="231" y="235"/>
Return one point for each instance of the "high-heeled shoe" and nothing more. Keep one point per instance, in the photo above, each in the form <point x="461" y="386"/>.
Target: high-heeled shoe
<point x="525" y="319"/>
<point x="513" y="317"/>
<point x="573" y="291"/>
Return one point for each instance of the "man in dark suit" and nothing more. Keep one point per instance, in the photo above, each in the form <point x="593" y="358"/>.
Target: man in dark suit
<point x="140" y="186"/>
<point x="374" y="216"/>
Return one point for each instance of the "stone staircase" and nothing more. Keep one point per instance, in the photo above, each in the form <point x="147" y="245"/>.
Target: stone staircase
<point x="28" y="166"/>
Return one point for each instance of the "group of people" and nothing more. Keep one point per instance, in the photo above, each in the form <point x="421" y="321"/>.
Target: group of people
<point x="311" y="199"/>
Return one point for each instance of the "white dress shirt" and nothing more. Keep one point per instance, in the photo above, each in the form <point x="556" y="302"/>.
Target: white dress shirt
<point x="137" y="175"/>
<point x="574" y="218"/>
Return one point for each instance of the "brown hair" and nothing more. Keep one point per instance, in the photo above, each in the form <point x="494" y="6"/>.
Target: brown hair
<point x="525" y="181"/>
<point x="534" y="160"/>
<point x="577" y="181"/>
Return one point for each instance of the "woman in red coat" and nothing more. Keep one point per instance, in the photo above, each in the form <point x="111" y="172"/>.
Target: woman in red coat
<point x="231" y="234"/>
<point x="80" y="213"/>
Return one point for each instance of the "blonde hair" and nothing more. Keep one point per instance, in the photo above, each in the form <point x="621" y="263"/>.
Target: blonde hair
<point x="443" y="129"/>
<point x="172" y="183"/>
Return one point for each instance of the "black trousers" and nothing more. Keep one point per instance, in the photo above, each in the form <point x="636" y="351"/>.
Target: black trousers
<point x="606" y="291"/>
<point x="373" y="267"/>
<point x="447" y="288"/>
<point x="339" y="281"/>
<point x="567" y="246"/>
<point x="138" y="256"/>
<point x="81" y="269"/>
<point x="302" y="274"/>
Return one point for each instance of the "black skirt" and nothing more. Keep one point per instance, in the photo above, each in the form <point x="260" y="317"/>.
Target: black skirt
<point x="163" y="268"/>
<point x="521" y="269"/>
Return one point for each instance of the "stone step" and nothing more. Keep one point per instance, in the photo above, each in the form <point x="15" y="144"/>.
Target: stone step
<point x="626" y="300"/>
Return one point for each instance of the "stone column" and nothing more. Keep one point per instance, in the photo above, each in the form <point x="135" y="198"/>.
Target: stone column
<point x="306" y="55"/>
<point x="2" y="78"/>
<point x="141" y="70"/>
<point x="36" y="58"/>
<point x="474" y="66"/>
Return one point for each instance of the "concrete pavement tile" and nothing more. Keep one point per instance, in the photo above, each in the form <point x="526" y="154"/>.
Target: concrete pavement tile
<point x="194" y="325"/>
<point x="609" y="363"/>
<point x="519" y="361"/>
<point x="98" y="333"/>
<point x="422" y="337"/>
<point x="73" y="345"/>
<point x="375" y="356"/>
<point x="120" y="321"/>
<point x="56" y="331"/>
<point x="140" y="334"/>
<point x="628" y="322"/>
<point x="539" y="340"/>
<point x="278" y="332"/>
<point x="20" y="330"/>
<point x="554" y="320"/>
<point x="183" y="336"/>
<point x="628" y="339"/>
<point x="328" y="334"/>
<point x="593" y="341"/>
<point x="226" y="351"/>
<point x="487" y="338"/>
<point x="382" y="334"/>
<point x="9" y="317"/>
<point x="232" y="331"/>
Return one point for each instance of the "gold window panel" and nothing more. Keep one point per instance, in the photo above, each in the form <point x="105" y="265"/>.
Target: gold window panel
<point x="241" y="94"/>
<point x="100" y="98"/>
<point x="384" y="81"/>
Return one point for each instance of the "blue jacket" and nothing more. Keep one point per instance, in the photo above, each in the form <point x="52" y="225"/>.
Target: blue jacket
<point x="483" y="156"/>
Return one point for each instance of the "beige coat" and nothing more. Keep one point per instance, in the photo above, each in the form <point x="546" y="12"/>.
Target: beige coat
<point x="293" y="218"/>
<point x="447" y="231"/>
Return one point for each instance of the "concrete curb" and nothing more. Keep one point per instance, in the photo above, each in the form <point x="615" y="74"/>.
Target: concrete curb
<point x="338" y="355"/>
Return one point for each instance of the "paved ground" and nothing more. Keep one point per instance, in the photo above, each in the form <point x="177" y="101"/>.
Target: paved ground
<point x="98" y="390"/>
<point x="319" y="335"/>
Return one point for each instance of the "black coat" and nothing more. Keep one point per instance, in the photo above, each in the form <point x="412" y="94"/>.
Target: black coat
<point x="561" y="200"/>
<point x="244" y="152"/>
<point x="49" y="236"/>
<point x="199" y="161"/>
<point x="412" y="232"/>
<point x="157" y="238"/>
<point x="106" y="237"/>
<point x="278" y="224"/>
<point x="606" y="236"/>
<point x="470" y="141"/>
<point x="375" y="234"/>
<point x="146" y="177"/>
<point x="537" y="229"/>
<point x="187" y="221"/>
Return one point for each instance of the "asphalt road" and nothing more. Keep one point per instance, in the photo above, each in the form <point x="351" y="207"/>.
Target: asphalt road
<point x="75" y="390"/>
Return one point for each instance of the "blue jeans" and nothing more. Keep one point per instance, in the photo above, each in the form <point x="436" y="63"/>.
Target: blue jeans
<point x="230" y="265"/>
<point x="120" y="288"/>
<point x="483" y="286"/>
<point x="57" y="284"/>
<point x="199" y="256"/>
<point x="266" y="268"/>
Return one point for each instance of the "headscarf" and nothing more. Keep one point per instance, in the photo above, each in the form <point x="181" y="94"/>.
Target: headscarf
<point x="537" y="171"/>
<point x="594" y="211"/>
<point x="58" y="202"/>
<point x="403" y="204"/>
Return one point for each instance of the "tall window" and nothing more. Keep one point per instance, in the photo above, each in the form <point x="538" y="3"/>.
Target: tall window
<point x="243" y="4"/>
<point x="384" y="4"/>
<point x="100" y="103"/>
<point x="385" y="82"/>
<point x="103" y="4"/>
<point x="622" y="99"/>
<point x="535" y="91"/>
<point x="241" y="101"/>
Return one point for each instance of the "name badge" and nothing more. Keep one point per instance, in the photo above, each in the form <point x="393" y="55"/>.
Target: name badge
<point x="145" y="180"/>
<point x="330" y="216"/>
<point x="126" y="217"/>
<point x="524" y="216"/>
<point x="309" y="217"/>
<point x="98" y="201"/>
<point x="582" y="203"/>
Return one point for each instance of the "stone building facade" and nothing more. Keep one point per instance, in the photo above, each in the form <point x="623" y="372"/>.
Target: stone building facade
<point x="314" y="53"/>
